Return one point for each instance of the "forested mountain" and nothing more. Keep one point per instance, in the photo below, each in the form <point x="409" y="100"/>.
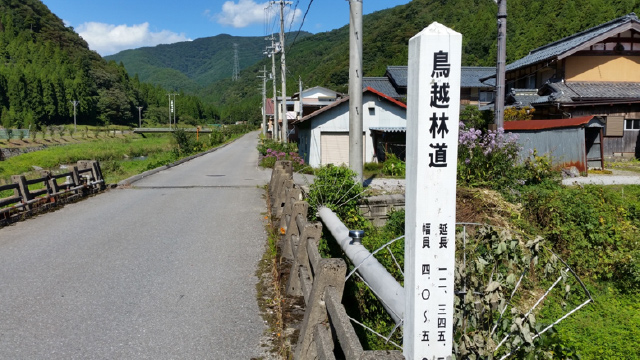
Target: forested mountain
<point x="45" y="65"/>
<point x="191" y="65"/>
<point x="323" y="59"/>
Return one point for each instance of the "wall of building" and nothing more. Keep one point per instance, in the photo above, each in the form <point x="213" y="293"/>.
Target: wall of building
<point x="336" y="120"/>
<point x="603" y="68"/>
<point x="629" y="143"/>
<point x="566" y="146"/>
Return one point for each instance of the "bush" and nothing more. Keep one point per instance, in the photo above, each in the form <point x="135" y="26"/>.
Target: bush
<point x="216" y="137"/>
<point x="373" y="166"/>
<point x="335" y="187"/>
<point x="186" y="144"/>
<point x="594" y="228"/>
<point x="539" y="168"/>
<point x="266" y="144"/>
<point x="488" y="159"/>
<point x="269" y="160"/>
<point x="393" y="166"/>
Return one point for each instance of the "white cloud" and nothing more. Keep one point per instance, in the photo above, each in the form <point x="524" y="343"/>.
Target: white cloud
<point x="248" y="12"/>
<point x="109" y="39"/>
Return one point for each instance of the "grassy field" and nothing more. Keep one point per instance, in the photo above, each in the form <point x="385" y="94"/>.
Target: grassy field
<point x="114" y="154"/>
<point x="120" y="155"/>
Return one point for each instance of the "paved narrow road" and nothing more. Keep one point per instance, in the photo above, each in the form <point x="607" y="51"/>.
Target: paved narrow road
<point x="162" y="270"/>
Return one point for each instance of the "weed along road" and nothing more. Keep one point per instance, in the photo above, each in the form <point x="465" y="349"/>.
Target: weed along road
<point x="164" y="269"/>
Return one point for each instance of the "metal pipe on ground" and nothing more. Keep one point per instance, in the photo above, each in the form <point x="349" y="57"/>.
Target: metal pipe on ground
<point x="385" y="286"/>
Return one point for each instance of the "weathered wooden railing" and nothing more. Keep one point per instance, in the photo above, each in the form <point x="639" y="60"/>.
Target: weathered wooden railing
<point x="319" y="280"/>
<point x="83" y="179"/>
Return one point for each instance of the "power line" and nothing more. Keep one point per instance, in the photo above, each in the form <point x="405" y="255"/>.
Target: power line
<point x="302" y="23"/>
<point x="293" y="16"/>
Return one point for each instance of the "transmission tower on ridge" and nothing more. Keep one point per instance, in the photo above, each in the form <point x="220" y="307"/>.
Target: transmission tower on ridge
<point x="236" y="63"/>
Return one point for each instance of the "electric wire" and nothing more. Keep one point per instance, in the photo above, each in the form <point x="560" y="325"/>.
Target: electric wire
<point x="293" y="15"/>
<point x="301" y="24"/>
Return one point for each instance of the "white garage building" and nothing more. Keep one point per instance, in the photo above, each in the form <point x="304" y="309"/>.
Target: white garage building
<point x="323" y="136"/>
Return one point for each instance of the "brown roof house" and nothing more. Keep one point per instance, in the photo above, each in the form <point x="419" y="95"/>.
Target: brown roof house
<point x="595" y="72"/>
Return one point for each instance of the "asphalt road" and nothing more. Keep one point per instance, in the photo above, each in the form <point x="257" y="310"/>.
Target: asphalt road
<point x="162" y="270"/>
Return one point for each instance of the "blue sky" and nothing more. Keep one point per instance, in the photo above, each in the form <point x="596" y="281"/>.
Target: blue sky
<point x="115" y="25"/>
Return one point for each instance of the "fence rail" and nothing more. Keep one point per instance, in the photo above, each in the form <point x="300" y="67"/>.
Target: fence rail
<point x="84" y="178"/>
<point x="318" y="280"/>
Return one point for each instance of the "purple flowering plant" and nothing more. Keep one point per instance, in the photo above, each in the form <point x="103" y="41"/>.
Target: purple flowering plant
<point x="488" y="158"/>
<point x="271" y="156"/>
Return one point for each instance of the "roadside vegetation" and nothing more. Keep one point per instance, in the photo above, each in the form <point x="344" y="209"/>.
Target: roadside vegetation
<point x="533" y="224"/>
<point x="120" y="156"/>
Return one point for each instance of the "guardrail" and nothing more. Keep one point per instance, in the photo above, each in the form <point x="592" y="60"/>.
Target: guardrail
<point x="318" y="280"/>
<point x="85" y="178"/>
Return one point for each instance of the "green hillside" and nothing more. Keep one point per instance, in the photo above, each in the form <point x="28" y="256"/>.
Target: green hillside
<point x="191" y="65"/>
<point x="322" y="59"/>
<point x="45" y="65"/>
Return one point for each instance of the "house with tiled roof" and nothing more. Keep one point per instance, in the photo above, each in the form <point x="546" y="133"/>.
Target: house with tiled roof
<point x="595" y="72"/>
<point x="323" y="136"/>
<point x="472" y="90"/>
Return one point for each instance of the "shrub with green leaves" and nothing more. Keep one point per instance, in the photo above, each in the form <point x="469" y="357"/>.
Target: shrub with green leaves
<point x="488" y="159"/>
<point x="393" y="166"/>
<point x="266" y="144"/>
<point x="594" y="227"/>
<point x="335" y="187"/>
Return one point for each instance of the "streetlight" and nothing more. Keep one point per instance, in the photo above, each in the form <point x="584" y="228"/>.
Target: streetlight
<point x="75" y="104"/>
<point x="139" y="116"/>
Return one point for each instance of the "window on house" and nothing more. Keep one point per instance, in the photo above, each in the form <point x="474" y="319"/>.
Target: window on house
<point x="509" y="85"/>
<point x="531" y="82"/>
<point x="615" y="126"/>
<point x="632" y="124"/>
<point x="486" y="96"/>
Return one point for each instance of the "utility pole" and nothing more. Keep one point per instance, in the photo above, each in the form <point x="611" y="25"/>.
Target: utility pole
<point x="285" y="125"/>
<point x="172" y="107"/>
<point x="139" y="116"/>
<point x="275" y="131"/>
<point x="501" y="63"/>
<point x="300" y="97"/>
<point x="75" y="105"/>
<point x="355" y="88"/>
<point x="236" y="63"/>
<point x="264" y="100"/>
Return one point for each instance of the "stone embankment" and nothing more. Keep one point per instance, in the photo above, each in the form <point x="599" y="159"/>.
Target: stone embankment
<point x="6" y="153"/>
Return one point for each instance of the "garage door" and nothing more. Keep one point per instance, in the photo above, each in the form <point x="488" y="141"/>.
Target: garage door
<point x="335" y="148"/>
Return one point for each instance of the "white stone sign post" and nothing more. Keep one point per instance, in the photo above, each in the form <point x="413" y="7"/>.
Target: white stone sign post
<point x="433" y="95"/>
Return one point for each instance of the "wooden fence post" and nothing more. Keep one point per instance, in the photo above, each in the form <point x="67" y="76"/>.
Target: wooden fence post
<point x="52" y="184"/>
<point x="330" y="272"/>
<point x="281" y="197"/>
<point x="299" y="208"/>
<point x="22" y="190"/>
<point x="293" y="195"/>
<point x="301" y="258"/>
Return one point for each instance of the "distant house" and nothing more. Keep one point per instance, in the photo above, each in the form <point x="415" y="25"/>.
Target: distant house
<point x="313" y="99"/>
<point x="472" y="90"/>
<point x="595" y="72"/>
<point x="269" y="112"/>
<point x="323" y="136"/>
